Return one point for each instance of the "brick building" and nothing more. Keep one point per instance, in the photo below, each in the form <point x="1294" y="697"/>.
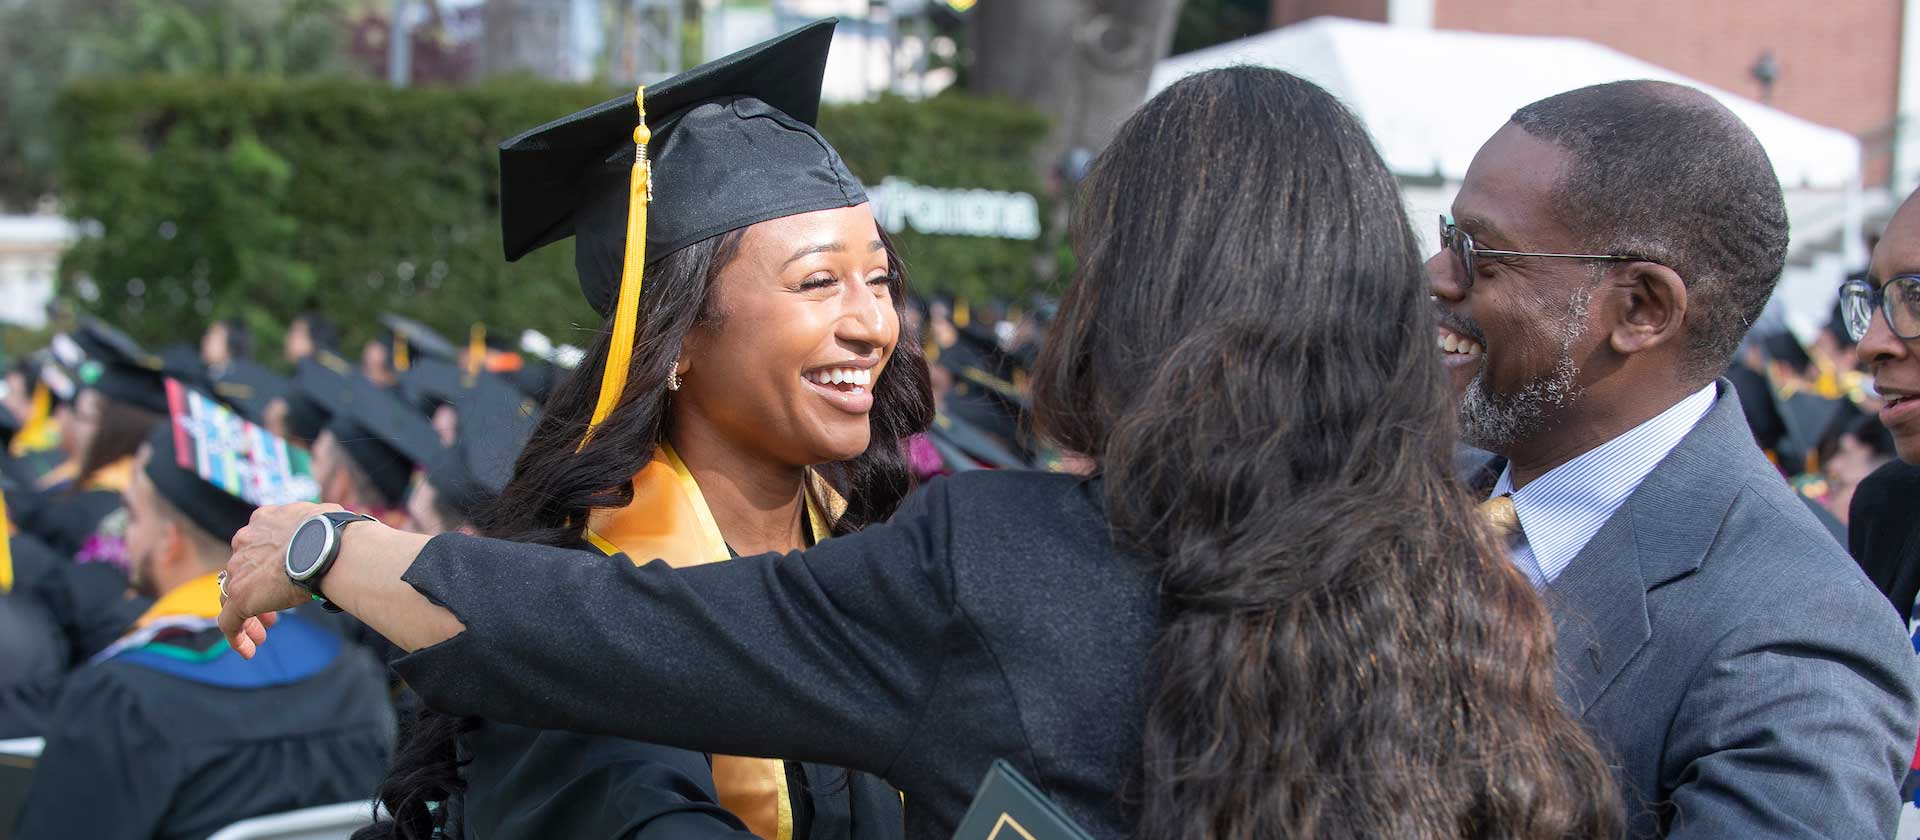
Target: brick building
<point x="1850" y="64"/>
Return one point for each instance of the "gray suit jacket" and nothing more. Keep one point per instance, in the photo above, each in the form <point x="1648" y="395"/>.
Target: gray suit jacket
<point x="1744" y="676"/>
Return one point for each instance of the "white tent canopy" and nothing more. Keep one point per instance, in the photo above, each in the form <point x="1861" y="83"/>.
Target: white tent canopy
<point x="1432" y="97"/>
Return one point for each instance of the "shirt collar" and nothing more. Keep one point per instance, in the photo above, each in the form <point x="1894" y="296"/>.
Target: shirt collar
<point x="1561" y="511"/>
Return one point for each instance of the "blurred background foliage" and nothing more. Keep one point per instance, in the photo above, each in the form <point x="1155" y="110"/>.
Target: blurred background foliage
<point x="259" y="197"/>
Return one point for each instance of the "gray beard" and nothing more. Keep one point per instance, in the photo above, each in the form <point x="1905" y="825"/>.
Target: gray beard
<point x="1495" y="422"/>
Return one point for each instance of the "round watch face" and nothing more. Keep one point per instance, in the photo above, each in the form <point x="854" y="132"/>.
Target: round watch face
<point x="305" y="550"/>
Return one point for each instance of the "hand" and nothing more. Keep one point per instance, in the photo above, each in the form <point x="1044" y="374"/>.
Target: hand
<point x="257" y="583"/>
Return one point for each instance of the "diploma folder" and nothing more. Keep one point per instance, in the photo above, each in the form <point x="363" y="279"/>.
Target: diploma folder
<point x="1008" y="807"/>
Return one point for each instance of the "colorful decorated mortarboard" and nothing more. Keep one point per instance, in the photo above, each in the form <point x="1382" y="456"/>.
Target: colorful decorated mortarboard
<point x="722" y="146"/>
<point x="215" y="466"/>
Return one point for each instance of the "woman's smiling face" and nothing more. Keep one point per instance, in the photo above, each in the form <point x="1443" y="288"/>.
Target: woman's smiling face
<point x="800" y="326"/>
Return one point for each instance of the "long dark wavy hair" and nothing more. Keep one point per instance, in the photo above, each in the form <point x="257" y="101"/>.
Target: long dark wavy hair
<point x="557" y="483"/>
<point x="1247" y="355"/>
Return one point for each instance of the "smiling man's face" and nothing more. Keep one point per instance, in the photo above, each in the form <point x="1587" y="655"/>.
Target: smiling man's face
<point x="1514" y="334"/>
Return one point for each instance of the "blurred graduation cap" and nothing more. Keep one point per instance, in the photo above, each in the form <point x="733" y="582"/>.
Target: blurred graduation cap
<point x="249" y="386"/>
<point x="386" y="438"/>
<point x="726" y="144"/>
<point x="430" y="383"/>
<point x="181" y="357"/>
<point x="495" y="422"/>
<point x="412" y="341"/>
<point x="120" y="369"/>
<point x="318" y="392"/>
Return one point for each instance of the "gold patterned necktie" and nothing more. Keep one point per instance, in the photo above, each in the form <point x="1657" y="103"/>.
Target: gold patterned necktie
<point x="1500" y="516"/>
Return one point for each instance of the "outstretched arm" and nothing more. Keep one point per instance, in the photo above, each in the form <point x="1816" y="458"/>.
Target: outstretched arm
<point x="825" y="655"/>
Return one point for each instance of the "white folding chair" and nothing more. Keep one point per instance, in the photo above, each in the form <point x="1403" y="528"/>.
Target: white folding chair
<point x="326" y="822"/>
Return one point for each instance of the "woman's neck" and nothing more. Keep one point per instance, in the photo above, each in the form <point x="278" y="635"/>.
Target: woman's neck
<point x="757" y="504"/>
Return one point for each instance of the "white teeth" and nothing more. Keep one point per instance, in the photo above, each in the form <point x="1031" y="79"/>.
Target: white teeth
<point x="840" y="376"/>
<point x="1459" y="344"/>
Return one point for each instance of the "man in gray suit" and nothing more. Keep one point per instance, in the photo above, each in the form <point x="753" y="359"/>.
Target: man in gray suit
<point x="1607" y="251"/>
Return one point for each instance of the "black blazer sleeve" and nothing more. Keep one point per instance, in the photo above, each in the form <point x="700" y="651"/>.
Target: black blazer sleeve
<point x="827" y="655"/>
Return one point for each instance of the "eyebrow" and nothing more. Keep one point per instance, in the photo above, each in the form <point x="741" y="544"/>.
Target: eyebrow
<point x="810" y="250"/>
<point x="1483" y="229"/>
<point x="873" y="247"/>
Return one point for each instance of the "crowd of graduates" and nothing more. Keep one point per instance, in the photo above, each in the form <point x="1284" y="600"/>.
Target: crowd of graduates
<point x="1813" y="411"/>
<point x="107" y="647"/>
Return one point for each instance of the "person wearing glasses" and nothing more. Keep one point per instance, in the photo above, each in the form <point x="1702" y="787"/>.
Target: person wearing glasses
<point x="1881" y="310"/>
<point x="1606" y="253"/>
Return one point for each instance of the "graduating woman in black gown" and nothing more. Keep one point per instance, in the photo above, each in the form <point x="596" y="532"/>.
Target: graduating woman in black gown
<point x="1267" y="613"/>
<point x="715" y="433"/>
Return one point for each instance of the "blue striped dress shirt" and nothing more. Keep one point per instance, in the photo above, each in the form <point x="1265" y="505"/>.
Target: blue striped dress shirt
<point x="1562" y="510"/>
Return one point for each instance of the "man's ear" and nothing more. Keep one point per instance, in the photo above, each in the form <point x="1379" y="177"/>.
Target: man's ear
<point x="1653" y="310"/>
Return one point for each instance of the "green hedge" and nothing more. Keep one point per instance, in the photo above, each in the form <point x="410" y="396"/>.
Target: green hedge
<point x="252" y="199"/>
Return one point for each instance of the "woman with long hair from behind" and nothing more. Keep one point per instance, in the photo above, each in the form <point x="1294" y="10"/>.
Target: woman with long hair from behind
<point x="1268" y="613"/>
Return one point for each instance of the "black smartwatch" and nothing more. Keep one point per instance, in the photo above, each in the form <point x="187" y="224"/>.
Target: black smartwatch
<point x="314" y="545"/>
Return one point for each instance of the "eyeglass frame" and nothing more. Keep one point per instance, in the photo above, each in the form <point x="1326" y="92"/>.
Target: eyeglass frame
<point x="1465" y="255"/>
<point x="1877" y="300"/>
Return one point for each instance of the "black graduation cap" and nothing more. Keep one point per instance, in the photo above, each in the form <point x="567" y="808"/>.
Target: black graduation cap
<point x="316" y="393"/>
<point x="733" y="143"/>
<point x="216" y="511"/>
<point x="249" y="386"/>
<point x="384" y="436"/>
<point x="430" y="383"/>
<point x="727" y="144"/>
<point x="181" y="357"/>
<point x="121" y="370"/>
<point x="1783" y="346"/>
<point x="495" y="422"/>
<point x="412" y="340"/>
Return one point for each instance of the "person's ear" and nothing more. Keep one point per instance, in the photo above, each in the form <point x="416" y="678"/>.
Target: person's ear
<point x="1653" y="309"/>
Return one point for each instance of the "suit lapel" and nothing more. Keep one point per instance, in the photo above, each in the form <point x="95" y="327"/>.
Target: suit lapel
<point x="1659" y="535"/>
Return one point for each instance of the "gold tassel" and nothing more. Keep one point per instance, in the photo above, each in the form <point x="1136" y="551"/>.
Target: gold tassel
<point x="476" y="351"/>
<point x="626" y="311"/>
<point x="400" y="361"/>
<point x="6" y="548"/>
<point x="38" y="432"/>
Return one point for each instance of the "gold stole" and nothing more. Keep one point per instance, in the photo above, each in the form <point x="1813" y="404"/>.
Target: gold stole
<point x="669" y="519"/>
<point x="199" y="598"/>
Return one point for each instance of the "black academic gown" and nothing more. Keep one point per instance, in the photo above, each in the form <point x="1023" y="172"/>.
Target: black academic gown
<point x="33" y="658"/>
<point x="1884" y="532"/>
<point x="535" y="783"/>
<point x="182" y="738"/>
<point x="992" y="618"/>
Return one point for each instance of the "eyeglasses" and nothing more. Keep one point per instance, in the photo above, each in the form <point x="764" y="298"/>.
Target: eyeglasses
<point x="1899" y="300"/>
<point x="1461" y="244"/>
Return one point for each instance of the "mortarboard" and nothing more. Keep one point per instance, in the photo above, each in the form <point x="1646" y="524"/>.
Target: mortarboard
<point x="120" y="369"/>
<point x="412" y="340"/>
<point x="384" y="436"/>
<point x="250" y="386"/>
<point x="495" y="422"/>
<point x="430" y="383"/>
<point x="214" y="466"/>
<point x="728" y="144"/>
